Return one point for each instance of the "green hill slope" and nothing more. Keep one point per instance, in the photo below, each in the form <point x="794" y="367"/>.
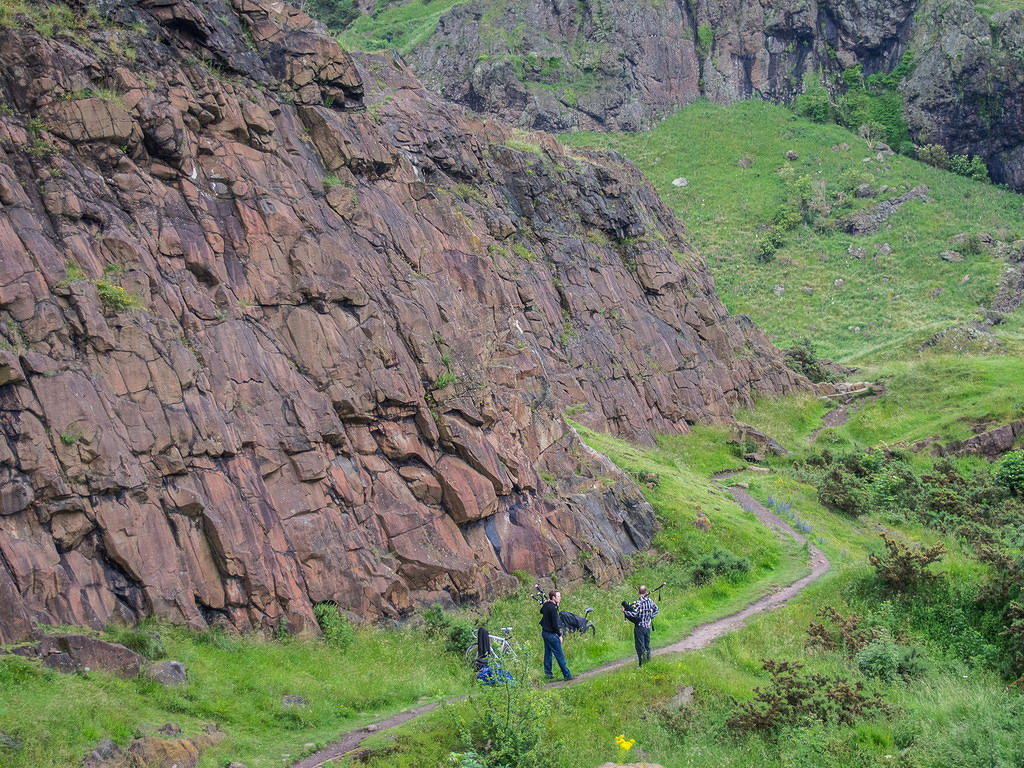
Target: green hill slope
<point x="770" y="228"/>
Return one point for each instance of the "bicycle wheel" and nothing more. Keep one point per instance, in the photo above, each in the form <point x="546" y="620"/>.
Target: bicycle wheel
<point x="470" y="654"/>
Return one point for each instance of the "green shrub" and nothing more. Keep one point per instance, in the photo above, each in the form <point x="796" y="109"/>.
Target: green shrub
<point x="912" y="663"/>
<point x="880" y="659"/>
<point x="335" y="14"/>
<point x="457" y="632"/>
<point x="842" y="491"/>
<point x="507" y="726"/>
<point x="903" y="567"/>
<point x="934" y="154"/>
<point x="814" y="103"/>
<point x="115" y="297"/>
<point x="1010" y="472"/>
<point x="802" y="357"/>
<point x="793" y="697"/>
<point x="337" y="631"/>
<point x="721" y="562"/>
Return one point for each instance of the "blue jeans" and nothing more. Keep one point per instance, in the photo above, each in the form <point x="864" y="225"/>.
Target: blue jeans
<point x="553" y="647"/>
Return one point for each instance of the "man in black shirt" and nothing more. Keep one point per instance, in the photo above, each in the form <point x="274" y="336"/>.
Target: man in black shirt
<point x="551" y="631"/>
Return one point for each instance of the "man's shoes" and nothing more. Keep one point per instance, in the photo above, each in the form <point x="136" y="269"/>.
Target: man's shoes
<point x="549" y="677"/>
<point x="567" y="677"/>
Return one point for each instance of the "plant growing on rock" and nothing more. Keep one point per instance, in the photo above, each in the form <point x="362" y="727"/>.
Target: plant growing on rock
<point x="802" y="357"/>
<point x="116" y="298"/>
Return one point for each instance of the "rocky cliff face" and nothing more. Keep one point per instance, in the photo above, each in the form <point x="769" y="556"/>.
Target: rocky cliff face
<point x="601" y="65"/>
<point x="279" y="328"/>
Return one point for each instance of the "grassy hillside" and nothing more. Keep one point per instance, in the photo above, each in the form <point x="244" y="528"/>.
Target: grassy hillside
<point x="877" y="303"/>
<point x="951" y="707"/>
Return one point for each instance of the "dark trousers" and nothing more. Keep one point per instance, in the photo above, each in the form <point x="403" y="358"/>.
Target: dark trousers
<point x="642" y="641"/>
<point x="553" y="648"/>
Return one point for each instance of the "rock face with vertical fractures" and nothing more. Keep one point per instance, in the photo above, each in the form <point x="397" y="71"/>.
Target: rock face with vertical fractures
<point x="280" y="328"/>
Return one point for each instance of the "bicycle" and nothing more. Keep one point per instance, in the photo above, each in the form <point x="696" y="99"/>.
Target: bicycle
<point x="569" y="621"/>
<point x="501" y="646"/>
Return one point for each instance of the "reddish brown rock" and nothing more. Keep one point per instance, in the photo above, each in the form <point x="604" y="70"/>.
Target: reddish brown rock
<point x="327" y="391"/>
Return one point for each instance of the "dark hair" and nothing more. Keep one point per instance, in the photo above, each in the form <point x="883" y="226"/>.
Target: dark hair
<point x="552" y="593"/>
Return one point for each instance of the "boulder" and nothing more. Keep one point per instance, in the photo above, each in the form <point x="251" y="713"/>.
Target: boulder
<point x="71" y="653"/>
<point x="168" y="673"/>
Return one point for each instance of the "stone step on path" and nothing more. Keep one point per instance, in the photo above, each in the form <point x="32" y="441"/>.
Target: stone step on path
<point x="701" y="637"/>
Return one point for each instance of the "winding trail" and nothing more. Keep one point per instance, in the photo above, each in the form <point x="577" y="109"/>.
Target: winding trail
<point x="701" y="637"/>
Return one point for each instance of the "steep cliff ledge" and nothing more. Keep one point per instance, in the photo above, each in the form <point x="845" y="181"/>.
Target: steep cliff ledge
<point x="278" y="328"/>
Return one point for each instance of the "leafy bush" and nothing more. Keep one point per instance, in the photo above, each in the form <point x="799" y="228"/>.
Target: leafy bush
<point x="507" y="726"/>
<point x="802" y="357"/>
<point x="337" y="631"/>
<point x="880" y="658"/>
<point x="457" y="633"/>
<point x="814" y="103"/>
<point x="794" y="696"/>
<point x="972" y="167"/>
<point x="1010" y="472"/>
<point x="934" y="155"/>
<point x="720" y="562"/>
<point x="903" y="567"/>
<point x="842" y="491"/>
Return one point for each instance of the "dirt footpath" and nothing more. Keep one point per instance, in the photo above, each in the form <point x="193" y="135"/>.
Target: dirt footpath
<point x="700" y="637"/>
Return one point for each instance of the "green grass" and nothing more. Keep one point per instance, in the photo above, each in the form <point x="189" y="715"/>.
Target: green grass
<point x="886" y="304"/>
<point x="959" y="713"/>
<point x="942" y="397"/>
<point x="236" y="683"/>
<point x="394" y="25"/>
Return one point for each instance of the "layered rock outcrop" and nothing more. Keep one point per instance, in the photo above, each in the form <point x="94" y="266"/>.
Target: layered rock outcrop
<point x="278" y="328"/>
<point x="561" y="65"/>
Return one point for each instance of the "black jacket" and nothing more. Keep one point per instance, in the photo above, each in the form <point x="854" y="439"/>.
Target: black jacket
<point x="549" y="618"/>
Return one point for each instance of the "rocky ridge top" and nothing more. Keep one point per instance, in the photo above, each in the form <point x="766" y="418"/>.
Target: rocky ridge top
<point x="278" y="327"/>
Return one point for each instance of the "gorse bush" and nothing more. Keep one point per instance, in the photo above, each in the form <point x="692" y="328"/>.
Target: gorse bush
<point x="336" y="628"/>
<point x="802" y="357"/>
<point x="902" y="566"/>
<point x="794" y="696"/>
<point x="1010" y="472"/>
<point x="848" y="634"/>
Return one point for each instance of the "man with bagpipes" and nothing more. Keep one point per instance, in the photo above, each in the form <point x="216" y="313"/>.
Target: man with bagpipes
<point x="641" y="613"/>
